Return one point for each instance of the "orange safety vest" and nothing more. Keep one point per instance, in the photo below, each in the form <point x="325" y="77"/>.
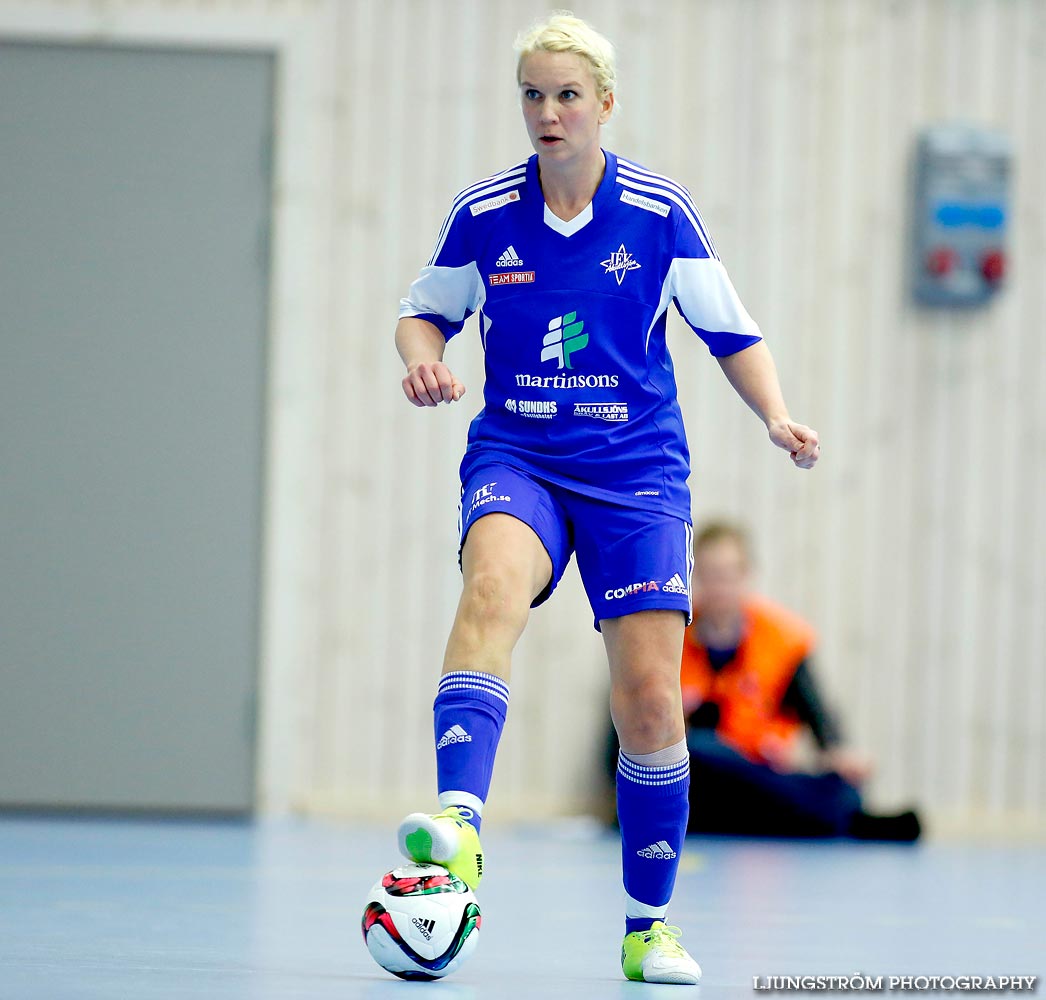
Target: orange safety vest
<point x="749" y="689"/>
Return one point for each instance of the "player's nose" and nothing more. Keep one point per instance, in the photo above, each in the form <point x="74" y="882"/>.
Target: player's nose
<point x="547" y="114"/>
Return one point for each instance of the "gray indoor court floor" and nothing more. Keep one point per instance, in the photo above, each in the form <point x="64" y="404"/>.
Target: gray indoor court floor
<point x="135" y="910"/>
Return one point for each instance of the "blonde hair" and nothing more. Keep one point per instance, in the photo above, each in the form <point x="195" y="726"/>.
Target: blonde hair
<point x="562" y="32"/>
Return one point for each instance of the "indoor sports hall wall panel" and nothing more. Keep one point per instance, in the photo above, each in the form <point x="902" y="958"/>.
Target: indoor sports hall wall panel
<point x="918" y="545"/>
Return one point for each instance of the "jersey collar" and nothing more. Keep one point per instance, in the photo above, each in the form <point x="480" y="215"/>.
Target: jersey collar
<point x="585" y="216"/>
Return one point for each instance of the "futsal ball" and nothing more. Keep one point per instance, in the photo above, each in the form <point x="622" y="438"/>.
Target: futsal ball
<point x="421" y="922"/>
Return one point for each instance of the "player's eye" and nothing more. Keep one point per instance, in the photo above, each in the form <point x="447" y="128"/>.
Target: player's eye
<point x="531" y="94"/>
<point x="568" y="95"/>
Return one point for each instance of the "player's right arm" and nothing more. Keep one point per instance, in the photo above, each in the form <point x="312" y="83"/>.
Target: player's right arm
<point x="428" y="381"/>
<point x="442" y="297"/>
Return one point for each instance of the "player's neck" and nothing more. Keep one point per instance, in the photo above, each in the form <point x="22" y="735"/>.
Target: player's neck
<point x="569" y="187"/>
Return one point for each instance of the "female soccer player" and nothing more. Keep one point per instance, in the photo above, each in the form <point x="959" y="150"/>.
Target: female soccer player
<point x="572" y="259"/>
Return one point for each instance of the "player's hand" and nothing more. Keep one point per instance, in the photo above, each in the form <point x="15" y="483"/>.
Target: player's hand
<point x="431" y="384"/>
<point x="800" y="441"/>
<point x="852" y="767"/>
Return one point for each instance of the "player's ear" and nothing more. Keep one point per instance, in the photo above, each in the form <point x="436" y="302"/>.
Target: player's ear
<point x="607" y="108"/>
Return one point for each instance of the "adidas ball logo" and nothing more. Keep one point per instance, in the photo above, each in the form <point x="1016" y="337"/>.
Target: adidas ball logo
<point x="453" y="735"/>
<point x="675" y="585"/>
<point x="662" y="851"/>
<point x="425" y="926"/>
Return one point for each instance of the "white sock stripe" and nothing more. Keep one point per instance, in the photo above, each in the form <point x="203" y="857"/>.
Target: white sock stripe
<point x="470" y="687"/>
<point x="625" y="761"/>
<point x="662" y="774"/>
<point x="653" y="775"/>
<point x="475" y="689"/>
<point x="663" y="779"/>
<point x="474" y="675"/>
<point x="468" y="678"/>
<point x="455" y="683"/>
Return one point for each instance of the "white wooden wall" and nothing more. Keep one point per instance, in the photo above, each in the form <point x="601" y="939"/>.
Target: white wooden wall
<point x="917" y="547"/>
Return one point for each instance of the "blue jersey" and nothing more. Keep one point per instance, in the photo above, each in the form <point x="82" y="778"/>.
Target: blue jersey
<point x="579" y="383"/>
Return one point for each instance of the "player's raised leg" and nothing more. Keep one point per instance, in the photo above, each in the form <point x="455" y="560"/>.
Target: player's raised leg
<point x="505" y="566"/>
<point x="653" y="781"/>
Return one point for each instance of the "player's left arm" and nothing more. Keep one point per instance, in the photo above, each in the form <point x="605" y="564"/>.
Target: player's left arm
<point x="707" y="300"/>
<point x="753" y="375"/>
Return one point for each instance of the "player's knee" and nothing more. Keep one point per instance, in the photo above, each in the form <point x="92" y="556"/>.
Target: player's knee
<point x="648" y="716"/>
<point x="493" y="599"/>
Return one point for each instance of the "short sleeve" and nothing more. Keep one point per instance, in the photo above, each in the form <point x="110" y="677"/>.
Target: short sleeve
<point x="703" y="292"/>
<point x="449" y="288"/>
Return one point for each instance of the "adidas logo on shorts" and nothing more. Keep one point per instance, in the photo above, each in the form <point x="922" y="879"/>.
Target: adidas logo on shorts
<point x="675" y="585"/>
<point x="453" y="735"/>
<point x="425" y="926"/>
<point x="662" y="851"/>
<point x="509" y="259"/>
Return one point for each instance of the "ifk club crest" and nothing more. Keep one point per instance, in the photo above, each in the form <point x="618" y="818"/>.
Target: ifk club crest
<point x="619" y="263"/>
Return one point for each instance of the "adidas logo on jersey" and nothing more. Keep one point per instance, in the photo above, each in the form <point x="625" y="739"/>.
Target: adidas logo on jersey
<point x="509" y="259"/>
<point x="425" y="926"/>
<point x="662" y="851"/>
<point x="675" y="585"/>
<point x="453" y="735"/>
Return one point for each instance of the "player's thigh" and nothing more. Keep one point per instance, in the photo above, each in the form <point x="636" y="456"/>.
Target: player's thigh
<point x="514" y="532"/>
<point x="645" y="647"/>
<point x="503" y="547"/>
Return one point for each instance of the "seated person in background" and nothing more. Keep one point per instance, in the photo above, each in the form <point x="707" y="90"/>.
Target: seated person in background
<point x="748" y="689"/>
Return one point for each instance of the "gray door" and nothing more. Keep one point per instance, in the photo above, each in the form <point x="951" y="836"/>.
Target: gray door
<point x="134" y="215"/>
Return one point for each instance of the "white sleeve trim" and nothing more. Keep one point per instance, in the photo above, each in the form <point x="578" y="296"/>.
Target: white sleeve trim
<point x="707" y="298"/>
<point x="450" y="292"/>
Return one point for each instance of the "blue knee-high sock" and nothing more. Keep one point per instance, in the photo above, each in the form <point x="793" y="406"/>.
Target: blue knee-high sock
<point x="652" y="807"/>
<point x="469" y="714"/>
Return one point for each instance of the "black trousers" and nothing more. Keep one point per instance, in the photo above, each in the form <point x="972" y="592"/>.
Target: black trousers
<point x="731" y="794"/>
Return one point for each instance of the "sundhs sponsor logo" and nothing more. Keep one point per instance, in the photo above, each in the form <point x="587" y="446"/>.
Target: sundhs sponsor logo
<point x="539" y="409"/>
<point x="425" y="926"/>
<point x="453" y="735"/>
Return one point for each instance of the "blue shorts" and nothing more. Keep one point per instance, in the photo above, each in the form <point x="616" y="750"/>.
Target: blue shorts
<point x="629" y="559"/>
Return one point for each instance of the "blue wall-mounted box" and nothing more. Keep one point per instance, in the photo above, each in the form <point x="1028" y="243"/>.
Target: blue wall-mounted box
<point x="961" y="215"/>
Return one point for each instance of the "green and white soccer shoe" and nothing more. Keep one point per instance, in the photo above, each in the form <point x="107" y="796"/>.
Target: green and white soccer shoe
<point x="447" y="839"/>
<point x="656" y="956"/>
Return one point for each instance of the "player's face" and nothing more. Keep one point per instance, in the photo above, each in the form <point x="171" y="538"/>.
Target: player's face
<point x="561" y="105"/>
<point x="720" y="578"/>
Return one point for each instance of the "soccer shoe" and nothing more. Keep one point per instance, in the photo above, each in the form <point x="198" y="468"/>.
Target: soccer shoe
<point x="446" y="839"/>
<point x="656" y="956"/>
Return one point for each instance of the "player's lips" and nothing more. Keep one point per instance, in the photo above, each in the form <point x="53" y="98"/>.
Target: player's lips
<point x="551" y="140"/>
